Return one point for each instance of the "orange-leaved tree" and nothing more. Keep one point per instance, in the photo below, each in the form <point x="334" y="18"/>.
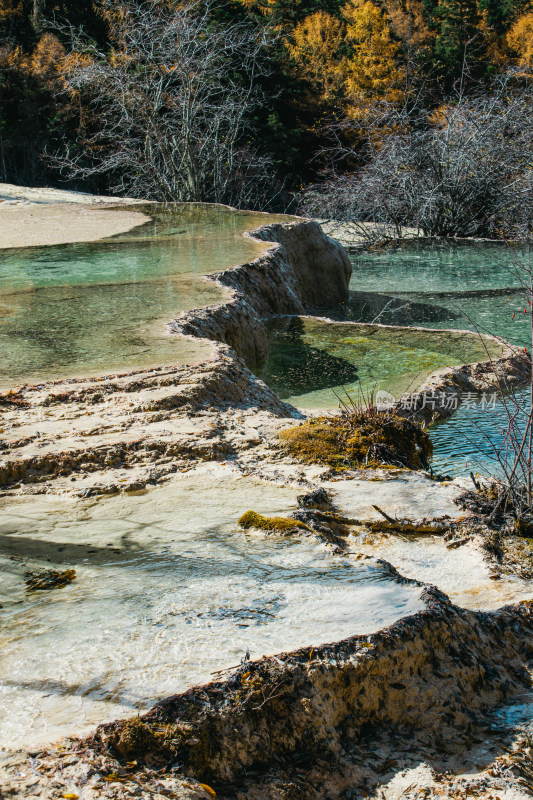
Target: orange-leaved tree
<point x="314" y="49"/>
<point x="408" y="24"/>
<point x="371" y="70"/>
<point x="520" y="38"/>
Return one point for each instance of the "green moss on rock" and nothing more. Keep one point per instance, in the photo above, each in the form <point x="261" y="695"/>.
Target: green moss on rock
<point x="251" y="519"/>
<point x="360" y="438"/>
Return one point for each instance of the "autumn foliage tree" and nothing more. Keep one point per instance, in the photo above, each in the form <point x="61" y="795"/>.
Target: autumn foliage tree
<point x="465" y="170"/>
<point x="27" y="82"/>
<point x="340" y="60"/>
<point x="520" y="38"/>
<point x="314" y="48"/>
<point x="371" y="69"/>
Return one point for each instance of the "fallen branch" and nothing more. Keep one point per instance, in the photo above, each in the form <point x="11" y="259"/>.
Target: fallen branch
<point x="425" y="526"/>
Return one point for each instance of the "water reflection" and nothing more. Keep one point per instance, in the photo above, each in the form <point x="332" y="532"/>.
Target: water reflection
<point x="464" y="285"/>
<point x="372" y="307"/>
<point x="470" y="285"/>
<point x="295" y="366"/>
<point x="313" y="363"/>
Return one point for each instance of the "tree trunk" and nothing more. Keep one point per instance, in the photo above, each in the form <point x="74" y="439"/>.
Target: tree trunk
<point x="38" y="16"/>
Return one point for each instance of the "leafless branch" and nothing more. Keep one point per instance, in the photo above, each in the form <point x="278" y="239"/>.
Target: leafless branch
<point x="165" y="114"/>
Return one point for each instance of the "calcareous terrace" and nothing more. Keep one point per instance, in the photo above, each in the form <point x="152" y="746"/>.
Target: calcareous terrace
<point x="337" y="658"/>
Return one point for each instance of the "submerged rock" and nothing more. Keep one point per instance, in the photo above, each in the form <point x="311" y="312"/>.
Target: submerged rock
<point x="38" y="580"/>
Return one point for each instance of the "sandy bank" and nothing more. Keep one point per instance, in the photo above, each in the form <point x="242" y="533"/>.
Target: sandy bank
<point x="27" y="225"/>
<point x="31" y="217"/>
<point x="46" y="194"/>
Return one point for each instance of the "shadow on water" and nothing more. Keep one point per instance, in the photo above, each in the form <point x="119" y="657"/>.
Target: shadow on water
<point x="294" y="367"/>
<point x="386" y="309"/>
<point x="95" y="689"/>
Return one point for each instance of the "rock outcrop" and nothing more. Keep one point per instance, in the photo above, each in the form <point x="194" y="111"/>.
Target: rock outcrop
<point x="142" y="419"/>
<point x="340" y="720"/>
<point x="441" y="394"/>
<point x="321" y="266"/>
<point x="304" y="269"/>
<point x="428" y="675"/>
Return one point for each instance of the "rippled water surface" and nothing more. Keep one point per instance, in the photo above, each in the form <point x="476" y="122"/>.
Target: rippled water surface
<point x="441" y="285"/>
<point x="169" y="589"/>
<point x="80" y="309"/>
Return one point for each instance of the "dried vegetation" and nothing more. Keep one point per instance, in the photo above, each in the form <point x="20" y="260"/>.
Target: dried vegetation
<point x="251" y="519"/>
<point x="39" y="580"/>
<point x="360" y="438"/>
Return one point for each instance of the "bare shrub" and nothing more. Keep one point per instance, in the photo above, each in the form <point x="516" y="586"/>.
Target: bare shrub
<point x="463" y="170"/>
<point x="165" y="113"/>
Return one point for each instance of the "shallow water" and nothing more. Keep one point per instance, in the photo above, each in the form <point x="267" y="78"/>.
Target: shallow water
<point x="81" y="309"/>
<point x="462" y="573"/>
<point x="315" y="364"/>
<point x="168" y="590"/>
<point x="461" y="286"/>
<point x="470" y="285"/>
<point x="465" y="285"/>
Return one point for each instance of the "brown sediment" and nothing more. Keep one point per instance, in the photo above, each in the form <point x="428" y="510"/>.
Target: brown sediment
<point x="41" y="580"/>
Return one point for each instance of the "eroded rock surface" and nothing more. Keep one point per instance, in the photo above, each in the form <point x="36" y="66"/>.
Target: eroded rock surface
<point x="306" y="268"/>
<point x="149" y="420"/>
<point x="335" y="721"/>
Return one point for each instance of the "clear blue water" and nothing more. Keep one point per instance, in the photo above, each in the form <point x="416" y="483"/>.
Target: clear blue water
<point x="469" y="285"/>
<point x="312" y="363"/>
<point x="474" y="286"/>
<point x="80" y="309"/>
<point x="463" y="286"/>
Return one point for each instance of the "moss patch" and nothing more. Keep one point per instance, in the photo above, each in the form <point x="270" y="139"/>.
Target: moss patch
<point x="251" y="519"/>
<point x="360" y="438"/>
<point x="135" y="739"/>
